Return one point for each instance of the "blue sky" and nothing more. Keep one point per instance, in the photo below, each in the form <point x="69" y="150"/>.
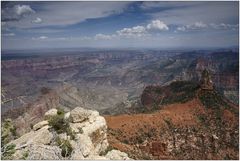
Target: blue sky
<point x="30" y="25"/>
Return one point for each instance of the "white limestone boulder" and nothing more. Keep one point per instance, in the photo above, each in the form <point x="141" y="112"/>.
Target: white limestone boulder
<point x="79" y="115"/>
<point x="50" y="113"/>
<point x="40" y="125"/>
<point x="117" y="155"/>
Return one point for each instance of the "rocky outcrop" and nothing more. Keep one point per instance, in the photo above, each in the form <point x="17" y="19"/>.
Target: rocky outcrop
<point x="85" y="138"/>
<point x="206" y="81"/>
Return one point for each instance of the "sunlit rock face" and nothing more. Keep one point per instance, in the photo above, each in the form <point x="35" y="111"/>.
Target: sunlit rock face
<point x="87" y="140"/>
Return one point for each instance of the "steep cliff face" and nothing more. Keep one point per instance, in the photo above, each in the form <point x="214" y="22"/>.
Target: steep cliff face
<point x="76" y="135"/>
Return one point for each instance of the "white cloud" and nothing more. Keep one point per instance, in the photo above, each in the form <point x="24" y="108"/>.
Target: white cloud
<point x="200" y="26"/>
<point x="143" y="31"/>
<point x="157" y="25"/>
<point x="40" y="38"/>
<point x="136" y="31"/>
<point x="37" y="20"/>
<point x="23" y="9"/>
<point x="224" y="26"/>
<point x="9" y="34"/>
<point x="197" y="25"/>
<point x="103" y="37"/>
<point x="16" y="12"/>
<point x="208" y="12"/>
<point x="181" y="28"/>
<point x="66" y="13"/>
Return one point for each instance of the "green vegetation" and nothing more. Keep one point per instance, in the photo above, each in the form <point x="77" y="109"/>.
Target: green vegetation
<point x="65" y="146"/>
<point x="181" y="91"/>
<point x="25" y="155"/>
<point x="178" y="91"/>
<point x="7" y="151"/>
<point x="210" y="99"/>
<point x="60" y="125"/>
<point x="213" y="100"/>
<point x="8" y="132"/>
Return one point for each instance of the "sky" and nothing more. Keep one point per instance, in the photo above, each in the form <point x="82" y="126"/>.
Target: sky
<point x="43" y="25"/>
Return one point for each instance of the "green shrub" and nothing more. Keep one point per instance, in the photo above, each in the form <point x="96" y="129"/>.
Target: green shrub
<point x="60" y="111"/>
<point x="58" y="123"/>
<point x="7" y="151"/>
<point x="25" y="155"/>
<point x="8" y="132"/>
<point x="65" y="146"/>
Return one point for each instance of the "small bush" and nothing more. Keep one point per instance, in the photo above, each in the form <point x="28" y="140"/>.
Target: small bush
<point x="58" y="123"/>
<point x="70" y="133"/>
<point x="60" y="111"/>
<point x="8" y="132"/>
<point x="25" y="155"/>
<point x="7" y="151"/>
<point x="65" y="146"/>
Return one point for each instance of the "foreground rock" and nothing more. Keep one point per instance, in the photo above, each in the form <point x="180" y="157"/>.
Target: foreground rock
<point x="85" y="137"/>
<point x="117" y="155"/>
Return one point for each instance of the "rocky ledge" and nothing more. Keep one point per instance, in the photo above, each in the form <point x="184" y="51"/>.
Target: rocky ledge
<point x="76" y="135"/>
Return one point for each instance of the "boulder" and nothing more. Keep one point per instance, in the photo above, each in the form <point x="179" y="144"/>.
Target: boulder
<point x="40" y="125"/>
<point x="67" y="116"/>
<point x="117" y="155"/>
<point x="50" y="113"/>
<point x="84" y="144"/>
<point x="42" y="136"/>
<point x="44" y="152"/>
<point x="79" y="114"/>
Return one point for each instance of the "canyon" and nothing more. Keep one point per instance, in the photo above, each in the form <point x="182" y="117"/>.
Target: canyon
<point x="145" y="96"/>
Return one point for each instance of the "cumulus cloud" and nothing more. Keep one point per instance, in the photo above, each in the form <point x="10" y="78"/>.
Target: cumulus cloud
<point x="136" y="31"/>
<point x="37" y="20"/>
<point x="16" y="12"/>
<point x="143" y="31"/>
<point x="157" y="25"/>
<point x="23" y="9"/>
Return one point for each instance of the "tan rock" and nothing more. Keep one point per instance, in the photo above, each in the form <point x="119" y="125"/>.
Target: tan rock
<point x="117" y="155"/>
<point x="79" y="115"/>
<point x="44" y="152"/>
<point x="84" y="144"/>
<point x="42" y="136"/>
<point x="50" y="113"/>
<point x="40" y="125"/>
